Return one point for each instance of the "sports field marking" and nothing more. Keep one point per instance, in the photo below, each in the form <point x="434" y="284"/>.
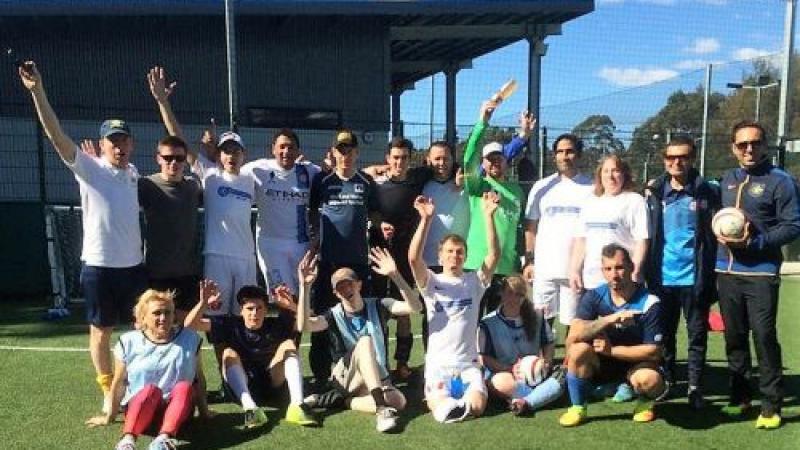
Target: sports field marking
<point x="19" y="348"/>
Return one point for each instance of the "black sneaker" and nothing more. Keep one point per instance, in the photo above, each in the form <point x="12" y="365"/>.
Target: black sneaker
<point x="696" y="400"/>
<point x="333" y="398"/>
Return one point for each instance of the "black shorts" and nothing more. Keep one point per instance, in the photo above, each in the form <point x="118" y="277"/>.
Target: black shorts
<point x="187" y="291"/>
<point x="111" y="293"/>
<point x="259" y="383"/>
<point x="612" y="370"/>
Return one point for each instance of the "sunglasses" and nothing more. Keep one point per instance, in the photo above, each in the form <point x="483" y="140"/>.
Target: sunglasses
<point x="176" y="158"/>
<point x="674" y="157"/>
<point x="742" y="146"/>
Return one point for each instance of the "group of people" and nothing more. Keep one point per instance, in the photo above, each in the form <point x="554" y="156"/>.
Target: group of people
<point x="342" y="250"/>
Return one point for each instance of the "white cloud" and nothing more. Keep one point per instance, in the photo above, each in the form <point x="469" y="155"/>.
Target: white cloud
<point x="703" y="45"/>
<point x="628" y="77"/>
<point x="744" y="53"/>
<point x="693" y="64"/>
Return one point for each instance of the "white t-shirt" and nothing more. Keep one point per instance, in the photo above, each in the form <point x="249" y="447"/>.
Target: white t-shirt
<point x="620" y="219"/>
<point x="282" y="199"/>
<point x="450" y="216"/>
<point x="110" y="212"/>
<point x="453" y="307"/>
<point x="556" y="202"/>
<point x="228" y="199"/>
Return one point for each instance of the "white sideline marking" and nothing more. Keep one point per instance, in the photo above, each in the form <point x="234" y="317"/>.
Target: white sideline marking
<point x="19" y="348"/>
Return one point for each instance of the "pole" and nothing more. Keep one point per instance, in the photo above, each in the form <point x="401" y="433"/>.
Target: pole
<point x="230" y="47"/>
<point x="430" y="118"/>
<point x="542" y="148"/>
<point x="786" y="74"/>
<point x="758" y="103"/>
<point x="704" y="137"/>
<point x="450" y="103"/>
<point x="536" y="49"/>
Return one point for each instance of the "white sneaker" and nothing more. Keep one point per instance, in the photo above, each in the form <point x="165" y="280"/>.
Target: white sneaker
<point x="106" y="403"/>
<point x="451" y="410"/>
<point x="385" y="419"/>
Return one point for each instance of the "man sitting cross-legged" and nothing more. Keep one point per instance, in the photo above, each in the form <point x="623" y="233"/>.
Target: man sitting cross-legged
<point x="615" y="336"/>
<point x="259" y="353"/>
<point x="357" y="331"/>
<point x="454" y="386"/>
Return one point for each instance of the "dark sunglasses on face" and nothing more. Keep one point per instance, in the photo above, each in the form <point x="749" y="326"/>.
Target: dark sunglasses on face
<point x="742" y="146"/>
<point x="674" y="157"/>
<point x="176" y="158"/>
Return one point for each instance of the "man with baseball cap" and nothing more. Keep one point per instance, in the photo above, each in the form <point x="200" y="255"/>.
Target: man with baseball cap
<point x="112" y="276"/>
<point x="495" y="165"/>
<point x="340" y="205"/>
<point x="357" y="330"/>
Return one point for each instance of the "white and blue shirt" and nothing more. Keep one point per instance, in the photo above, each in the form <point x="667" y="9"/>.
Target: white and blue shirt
<point x="680" y="229"/>
<point x="646" y="329"/>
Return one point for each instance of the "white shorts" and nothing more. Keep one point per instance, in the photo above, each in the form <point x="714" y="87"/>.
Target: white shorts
<point x="556" y="298"/>
<point x="230" y="274"/>
<point x="438" y="383"/>
<point x="278" y="260"/>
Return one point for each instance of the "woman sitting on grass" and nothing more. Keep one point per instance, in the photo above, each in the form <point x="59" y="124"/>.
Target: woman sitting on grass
<point x="507" y="335"/>
<point x="154" y="368"/>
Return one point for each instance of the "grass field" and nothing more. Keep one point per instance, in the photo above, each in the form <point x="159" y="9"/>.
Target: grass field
<point x="46" y="395"/>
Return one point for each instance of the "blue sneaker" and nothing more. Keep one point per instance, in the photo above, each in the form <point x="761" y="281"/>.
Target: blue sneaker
<point x="624" y="394"/>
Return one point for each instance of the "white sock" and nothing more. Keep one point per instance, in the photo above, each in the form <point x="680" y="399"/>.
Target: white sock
<point x="237" y="380"/>
<point x="294" y="379"/>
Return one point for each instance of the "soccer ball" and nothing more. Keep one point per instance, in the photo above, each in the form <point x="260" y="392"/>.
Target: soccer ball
<point x="729" y="223"/>
<point x="531" y="370"/>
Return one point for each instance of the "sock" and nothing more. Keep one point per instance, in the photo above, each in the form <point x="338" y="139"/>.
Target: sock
<point x="104" y="381"/>
<point x="377" y="395"/>
<point x="237" y="380"/>
<point x="294" y="379"/>
<point x="546" y="392"/>
<point x="577" y="387"/>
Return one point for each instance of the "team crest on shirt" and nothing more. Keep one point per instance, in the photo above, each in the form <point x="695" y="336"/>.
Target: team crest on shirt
<point x="693" y="205"/>
<point x="271" y="177"/>
<point x="756" y="189"/>
<point x="358" y="188"/>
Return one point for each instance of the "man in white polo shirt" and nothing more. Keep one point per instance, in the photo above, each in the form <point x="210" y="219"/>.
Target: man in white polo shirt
<point x="112" y="276"/>
<point x="554" y="204"/>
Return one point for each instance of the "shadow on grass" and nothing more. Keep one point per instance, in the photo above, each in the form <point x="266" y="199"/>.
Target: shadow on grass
<point x="25" y="319"/>
<point x="225" y="430"/>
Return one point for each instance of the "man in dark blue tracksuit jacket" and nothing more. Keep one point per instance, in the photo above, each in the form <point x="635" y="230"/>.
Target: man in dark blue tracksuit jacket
<point x="748" y="270"/>
<point x="681" y="257"/>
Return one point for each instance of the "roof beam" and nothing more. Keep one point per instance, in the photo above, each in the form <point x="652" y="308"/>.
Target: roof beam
<point x="506" y="31"/>
<point x="432" y="66"/>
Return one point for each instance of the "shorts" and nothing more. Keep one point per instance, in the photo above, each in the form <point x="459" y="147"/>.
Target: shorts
<point x="610" y="370"/>
<point x="260" y="385"/>
<point x="111" y="293"/>
<point x="230" y="274"/>
<point x="278" y="260"/>
<point x="187" y="291"/>
<point x="349" y="381"/>
<point x="439" y="383"/>
<point x="555" y="297"/>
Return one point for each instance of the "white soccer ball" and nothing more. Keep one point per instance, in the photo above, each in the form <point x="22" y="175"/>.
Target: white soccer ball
<point x="532" y="370"/>
<point x="729" y="223"/>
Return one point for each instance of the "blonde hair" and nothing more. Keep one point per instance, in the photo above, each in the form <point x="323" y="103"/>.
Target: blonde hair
<point x="151" y="295"/>
<point x="619" y="163"/>
<point x="517" y="284"/>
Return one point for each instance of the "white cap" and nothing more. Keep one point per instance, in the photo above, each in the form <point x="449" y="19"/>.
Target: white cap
<point x="230" y="136"/>
<point x="492" y="147"/>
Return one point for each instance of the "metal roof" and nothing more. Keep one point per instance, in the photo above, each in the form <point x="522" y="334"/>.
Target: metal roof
<point x="426" y="36"/>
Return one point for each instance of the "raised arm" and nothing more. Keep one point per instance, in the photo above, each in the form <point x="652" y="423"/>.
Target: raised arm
<point x="32" y="81"/>
<point x="161" y="90"/>
<point x="489" y="205"/>
<point x="209" y="298"/>
<point x="519" y="141"/>
<point x="472" y="156"/>
<point x="425" y="208"/>
<point x="384" y="264"/>
<point x="307" y="273"/>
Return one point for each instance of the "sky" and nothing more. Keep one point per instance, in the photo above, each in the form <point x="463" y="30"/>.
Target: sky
<point x="624" y="58"/>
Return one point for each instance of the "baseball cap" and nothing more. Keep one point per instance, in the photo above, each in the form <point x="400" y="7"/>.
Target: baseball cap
<point x="230" y="136"/>
<point x="492" y="147"/>
<point x="114" y="126"/>
<point x="343" y="274"/>
<point x="345" y="138"/>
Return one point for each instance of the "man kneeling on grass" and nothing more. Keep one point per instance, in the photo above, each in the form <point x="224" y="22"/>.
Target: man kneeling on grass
<point x="357" y="330"/>
<point x="259" y="353"/>
<point x="615" y="336"/>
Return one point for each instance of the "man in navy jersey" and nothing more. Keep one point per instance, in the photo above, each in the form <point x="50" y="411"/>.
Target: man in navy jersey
<point x="615" y="336"/>
<point x="341" y="202"/>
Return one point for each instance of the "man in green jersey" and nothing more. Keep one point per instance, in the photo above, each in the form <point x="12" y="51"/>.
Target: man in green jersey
<point x="506" y="219"/>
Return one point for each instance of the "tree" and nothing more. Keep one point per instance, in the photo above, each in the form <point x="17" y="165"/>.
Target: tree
<point x="597" y="134"/>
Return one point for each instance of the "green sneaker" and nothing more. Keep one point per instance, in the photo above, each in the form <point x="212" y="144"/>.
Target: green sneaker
<point x="735" y="410"/>
<point x="643" y="411"/>
<point x="254" y="418"/>
<point x="574" y="416"/>
<point x="300" y="415"/>
<point x="768" y="423"/>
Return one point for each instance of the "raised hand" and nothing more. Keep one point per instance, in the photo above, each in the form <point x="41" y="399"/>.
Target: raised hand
<point x="157" y="80"/>
<point x="89" y="148"/>
<point x="382" y="261"/>
<point x="284" y="298"/>
<point x="487" y="109"/>
<point x="527" y="122"/>
<point x="460" y="177"/>
<point x="210" y="294"/>
<point x="307" y="269"/>
<point x="30" y="76"/>
<point x="490" y="202"/>
<point x="424" y="206"/>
